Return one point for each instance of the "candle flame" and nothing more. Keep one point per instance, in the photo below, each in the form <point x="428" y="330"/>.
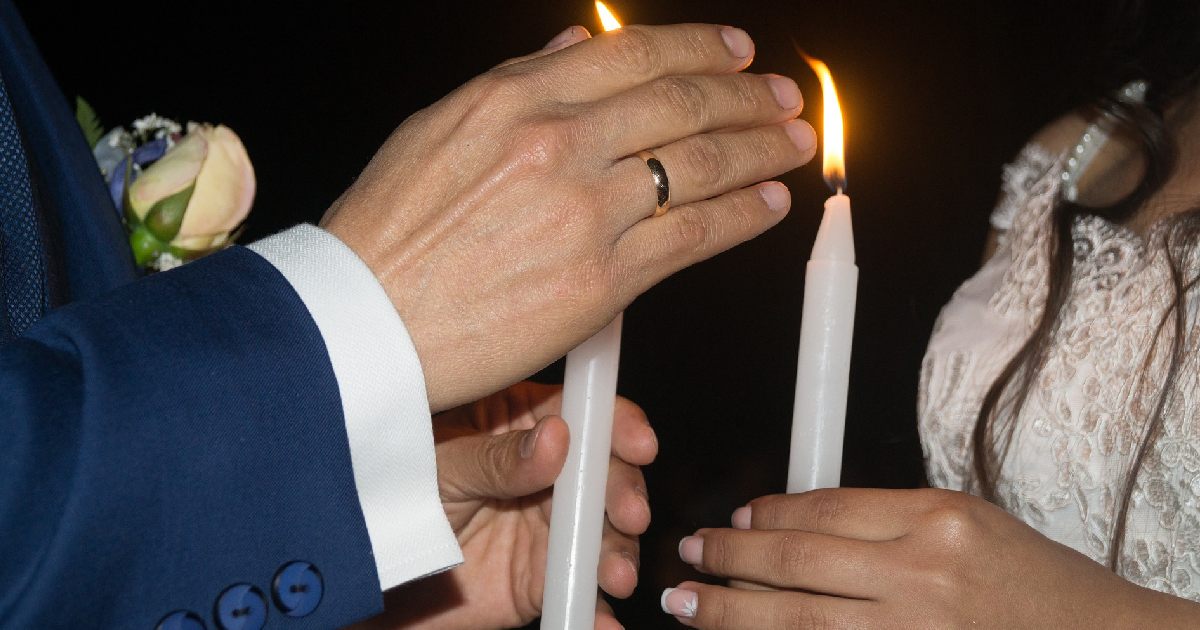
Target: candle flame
<point x="834" y="160"/>
<point x="607" y="19"/>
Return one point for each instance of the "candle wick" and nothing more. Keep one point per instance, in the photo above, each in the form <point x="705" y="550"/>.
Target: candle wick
<point x="839" y="190"/>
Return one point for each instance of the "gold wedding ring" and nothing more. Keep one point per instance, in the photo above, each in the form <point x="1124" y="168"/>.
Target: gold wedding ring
<point x="662" y="187"/>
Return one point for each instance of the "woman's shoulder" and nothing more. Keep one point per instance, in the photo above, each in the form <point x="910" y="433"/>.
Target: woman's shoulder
<point x="1041" y="153"/>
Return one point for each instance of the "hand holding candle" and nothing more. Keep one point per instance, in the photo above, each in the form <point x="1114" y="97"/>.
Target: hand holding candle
<point x="827" y="325"/>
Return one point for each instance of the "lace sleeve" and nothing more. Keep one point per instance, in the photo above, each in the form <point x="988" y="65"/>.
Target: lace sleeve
<point x="1017" y="180"/>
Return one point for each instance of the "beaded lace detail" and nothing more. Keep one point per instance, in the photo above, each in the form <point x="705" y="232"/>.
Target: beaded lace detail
<point x="1077" y="434"/>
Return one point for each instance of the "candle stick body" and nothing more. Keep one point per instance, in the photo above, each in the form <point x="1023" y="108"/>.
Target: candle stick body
<point x="823" y="370"/>
<point x="573" y="556"/>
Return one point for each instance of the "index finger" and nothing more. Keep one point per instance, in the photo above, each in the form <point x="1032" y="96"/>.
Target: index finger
<point x="613" y="62"/>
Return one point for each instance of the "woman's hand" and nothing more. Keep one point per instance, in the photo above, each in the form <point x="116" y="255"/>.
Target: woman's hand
<point x="507" y="222"/>
<point x="859" y="558"/>
<point x="512" y="445"/>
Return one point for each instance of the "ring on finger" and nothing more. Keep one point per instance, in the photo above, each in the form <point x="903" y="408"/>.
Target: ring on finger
<point x="662" y="186"/>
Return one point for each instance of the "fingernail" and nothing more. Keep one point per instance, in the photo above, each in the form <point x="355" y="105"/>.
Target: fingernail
<point x="678" y="602"/>
<point x="776" y="195"/>
<point x="786" y="92"/>
<point x="691" y="550"/>
<point x="741" y="517"/>
<point x="802" y="135"/>
<point x="737" y="41"/>
<point x="530" y="440"/>
<point x="560" y="39"/>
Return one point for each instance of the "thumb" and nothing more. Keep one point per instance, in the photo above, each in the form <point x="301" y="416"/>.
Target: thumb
<point x="505" y="466"/>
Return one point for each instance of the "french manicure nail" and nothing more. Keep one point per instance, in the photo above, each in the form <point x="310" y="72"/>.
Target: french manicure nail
<point x="741" y="517"/>
<point x="786" y="92"/>
<point x="530" y="440"/>
<point x="678" y="602"/>
<point x="691" y="550"/>
<point x="802" y="135"/>
<point x="737" y="41"/>
<point x="776" y="195"/>
<point x="560" y="39"/>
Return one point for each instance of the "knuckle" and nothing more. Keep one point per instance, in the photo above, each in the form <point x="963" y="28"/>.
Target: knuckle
<point x="717" y="553"/>
<point x="742" y="214"/>
<point x="634" y="49"/>
<point x="767" y="512"/>
<point x="699" y="43"/>
<point x="705" y="160"/>
<point x="681" y="97"/>
<point x="824" y="506"/>
<point x="542" y="144"/>
<point x="747" y="92"/>
<point x="722" y="612"/>
<point x="691" y="231"/>
<point x="810" y="616"/>
<point x="494" y="88"/>
<point x="953" y="525"/>
<point x="489" y="97"/>
<point x="794" y="558"/>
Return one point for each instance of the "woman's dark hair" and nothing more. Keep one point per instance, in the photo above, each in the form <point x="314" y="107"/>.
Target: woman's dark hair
<point x="1157" y="41"/>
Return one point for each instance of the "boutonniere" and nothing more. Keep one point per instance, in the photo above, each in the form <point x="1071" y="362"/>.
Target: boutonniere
<point x="182" y="191"/>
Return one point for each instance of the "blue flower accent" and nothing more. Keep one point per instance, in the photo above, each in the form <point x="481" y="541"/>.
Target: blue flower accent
<point x="116" y="184"/>
<point x="150" y="152"/>
<point x="143" y="157"/>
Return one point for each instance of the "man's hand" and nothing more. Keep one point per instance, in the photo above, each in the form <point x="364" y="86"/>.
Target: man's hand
<point x="497" y="461"/>
<point x="507" y="222"/>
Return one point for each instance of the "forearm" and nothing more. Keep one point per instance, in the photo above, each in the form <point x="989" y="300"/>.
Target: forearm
<point x="177" y="437"/>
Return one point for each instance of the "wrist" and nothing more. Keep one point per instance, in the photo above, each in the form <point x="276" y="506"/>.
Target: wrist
<point x="432" y="358"/>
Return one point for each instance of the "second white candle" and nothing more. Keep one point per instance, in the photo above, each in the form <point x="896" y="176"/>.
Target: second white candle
<point x="823" y="369"/>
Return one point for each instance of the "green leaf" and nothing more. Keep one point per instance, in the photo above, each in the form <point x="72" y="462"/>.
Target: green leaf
<point x="145" y="246"/>
<point x="166" y="216"/>
<point x="89" y="122"/>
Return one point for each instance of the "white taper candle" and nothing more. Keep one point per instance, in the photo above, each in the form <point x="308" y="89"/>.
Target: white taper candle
<point x="823" y="371"/>
<point x="577" y="510"/>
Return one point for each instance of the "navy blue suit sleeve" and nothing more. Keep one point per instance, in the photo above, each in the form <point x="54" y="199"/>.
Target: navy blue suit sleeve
<point x="177" y="439"/>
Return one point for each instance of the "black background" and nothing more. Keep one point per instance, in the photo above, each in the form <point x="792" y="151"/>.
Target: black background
<point x="938" y="94"/>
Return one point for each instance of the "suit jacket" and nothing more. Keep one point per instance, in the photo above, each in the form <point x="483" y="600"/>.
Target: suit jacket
<point x="172" y="451"/>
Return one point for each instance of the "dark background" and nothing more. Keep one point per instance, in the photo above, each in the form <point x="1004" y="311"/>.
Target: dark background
<point x="937" y="96"/>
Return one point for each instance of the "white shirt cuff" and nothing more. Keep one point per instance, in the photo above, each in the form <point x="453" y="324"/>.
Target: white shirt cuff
<point x="383" y="401"/>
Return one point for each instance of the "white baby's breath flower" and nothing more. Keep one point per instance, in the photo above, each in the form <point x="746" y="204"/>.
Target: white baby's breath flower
<point x="167" y="261"/>
<point x="157" y="125"/>
<point x="118" y="138"/>
<point x="111" y="149"/>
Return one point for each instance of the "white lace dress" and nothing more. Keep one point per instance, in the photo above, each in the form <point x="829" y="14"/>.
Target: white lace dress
<point x="1078" y="432"/>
